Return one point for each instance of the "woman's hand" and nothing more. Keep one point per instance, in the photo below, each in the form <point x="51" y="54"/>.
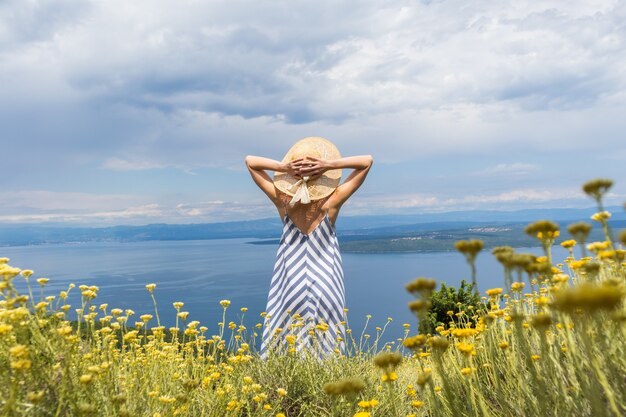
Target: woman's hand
<point x="293" y="167"/>
<point x="314" y="167"/>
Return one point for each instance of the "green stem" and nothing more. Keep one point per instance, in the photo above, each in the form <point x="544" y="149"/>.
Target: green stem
<point x="156" y="310"/>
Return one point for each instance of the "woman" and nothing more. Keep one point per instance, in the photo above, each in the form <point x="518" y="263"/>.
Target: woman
<point x="305" y="305"/>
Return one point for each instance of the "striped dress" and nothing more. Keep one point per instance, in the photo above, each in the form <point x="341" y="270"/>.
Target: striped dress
<point x="307" y="296"/>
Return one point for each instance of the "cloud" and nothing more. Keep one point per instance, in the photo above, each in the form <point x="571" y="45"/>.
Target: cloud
<point x="514" y="168"/>
<point x="133" y="88"/>
<point x="125" y="216"/>
<point x="118" y="164"/>
<point x="525" y="195"/>
<point x="509" y="200"/>
<point x="52" y="201"/>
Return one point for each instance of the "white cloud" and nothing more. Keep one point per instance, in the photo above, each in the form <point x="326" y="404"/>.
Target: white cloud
<point x="85" y="212"/>
<point x="514" y="199"/>
<point x="119" y="164"/>
<point x="515" y="168"/>
<point x="149" y="84"/>
<point x="50" y="200"/>
<point x="149" y="211"/>
<point x="524" y="195"/>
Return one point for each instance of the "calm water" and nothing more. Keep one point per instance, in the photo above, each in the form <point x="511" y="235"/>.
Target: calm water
<point x="201" y="273"/>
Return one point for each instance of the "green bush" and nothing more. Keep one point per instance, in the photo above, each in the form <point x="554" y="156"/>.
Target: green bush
<point x="449" y="298"/>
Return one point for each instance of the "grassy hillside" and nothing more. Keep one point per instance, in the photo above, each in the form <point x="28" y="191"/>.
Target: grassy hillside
<point x="551" y="341"/>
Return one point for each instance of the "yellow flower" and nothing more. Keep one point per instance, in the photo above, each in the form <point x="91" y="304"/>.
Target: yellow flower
<point x="469" y="248"/>
<point x="166" y="399"/>
<point x="417" y="404"/>
<point x="130" y="337"/>
<point x="568" y="243"/>
<point x="42" y="281"/>
<point x="414" y="342"/>
<point x="225" y="303"/>
<point x="362" y="414"/>
<point x="503" y="345"/>
<point x="598" y="246"/>
<point x="35" y="397"/>
<point x="465" y="348"/>
<point x="86" y="379"/>
<point x="18" y="351"/>
<point x="423" y="378"/>
<point x="150" y="287"/>
<point x="541" y="320"/>
<point x="232" y="404"/>
<point x="146" y="317"/>
<point x="589" y="297"/>
<point x="27" y="273"/>
<point x="596" y="188"/>
<point x="5" y="329"/>
<point x="21" y="364"/>
<point x="322" y="327"/>
<point x="281" y="391"/>
<point x="517" y="286"/>
<point x="543" y="230"/>
<point x="601" y="216"/>
<point x="178" y="305"/>
<point x="438" y="343"/>
<point x="368" y="404"/>
<point x="466" y="371"/>
<point x="463" y="333"/>
<point x="64" y="330"/>
<point x="386" y="360"/>
<point x="494" y="291"/>
<point x="419" y="305"/>
<point x="388" y="377"/>
<point x="421" y="285"/>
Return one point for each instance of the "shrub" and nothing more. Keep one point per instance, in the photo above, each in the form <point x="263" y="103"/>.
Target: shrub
<point x="450" y="299"/>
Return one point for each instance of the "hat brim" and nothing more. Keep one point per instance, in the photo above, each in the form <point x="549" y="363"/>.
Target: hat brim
<point x="317" y="147"/>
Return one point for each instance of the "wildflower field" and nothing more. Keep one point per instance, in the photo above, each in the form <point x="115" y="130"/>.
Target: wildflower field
<point x="550" y="342"/>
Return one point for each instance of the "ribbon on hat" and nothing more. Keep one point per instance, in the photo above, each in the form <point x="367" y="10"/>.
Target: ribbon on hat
<point x="302" y="193"/>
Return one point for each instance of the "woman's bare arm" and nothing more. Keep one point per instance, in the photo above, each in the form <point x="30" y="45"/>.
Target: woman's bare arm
<point x="361" y="165"/>
<point x="257" y="166"/>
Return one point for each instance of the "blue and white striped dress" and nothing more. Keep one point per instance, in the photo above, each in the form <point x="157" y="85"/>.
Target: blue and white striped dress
<point x="306" y="293"/>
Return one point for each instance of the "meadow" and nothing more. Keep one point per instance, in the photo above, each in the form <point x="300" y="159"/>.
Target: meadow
<point x="551" y="341"/>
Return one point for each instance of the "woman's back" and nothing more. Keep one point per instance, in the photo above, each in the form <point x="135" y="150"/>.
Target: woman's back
<point x="305" y="216"/>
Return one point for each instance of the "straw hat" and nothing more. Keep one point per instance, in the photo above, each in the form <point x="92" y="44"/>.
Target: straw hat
<point x="301" y="189"/>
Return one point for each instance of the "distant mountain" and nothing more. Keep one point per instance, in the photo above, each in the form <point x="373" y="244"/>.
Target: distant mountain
<point x="518" y="216"/>
<point x="349" y="228"/>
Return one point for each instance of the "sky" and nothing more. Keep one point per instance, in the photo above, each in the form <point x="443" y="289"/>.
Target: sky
<point x="137" y="112"/>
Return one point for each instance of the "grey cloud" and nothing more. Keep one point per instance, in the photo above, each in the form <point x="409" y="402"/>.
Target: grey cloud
<point x="193" y="84"/>
<point x="35" y="21"/>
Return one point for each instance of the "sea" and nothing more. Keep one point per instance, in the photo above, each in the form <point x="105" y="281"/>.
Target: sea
<point x="201" y="273"/>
